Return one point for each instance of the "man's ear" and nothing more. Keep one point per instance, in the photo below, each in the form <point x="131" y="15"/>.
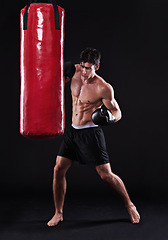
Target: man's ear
<point x="97" y="67"/>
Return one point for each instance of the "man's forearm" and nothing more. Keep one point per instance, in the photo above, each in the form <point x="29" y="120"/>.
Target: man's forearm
<point x="117" y="114"/>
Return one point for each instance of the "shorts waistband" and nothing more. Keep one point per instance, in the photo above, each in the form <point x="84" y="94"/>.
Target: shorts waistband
<point x="89" y="125"/>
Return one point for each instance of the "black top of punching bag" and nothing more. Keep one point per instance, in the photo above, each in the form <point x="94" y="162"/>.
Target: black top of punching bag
<point x="53" y="2"/>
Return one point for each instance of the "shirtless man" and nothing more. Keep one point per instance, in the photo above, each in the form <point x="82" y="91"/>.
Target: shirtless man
<point x="85" y="142"/>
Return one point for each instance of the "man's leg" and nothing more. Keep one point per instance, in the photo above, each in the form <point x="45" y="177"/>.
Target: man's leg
<point x="59" y="188"/>
<point x="118" y="186"/>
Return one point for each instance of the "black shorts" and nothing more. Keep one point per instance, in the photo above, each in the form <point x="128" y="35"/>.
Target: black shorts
<point x="85" y="146"/>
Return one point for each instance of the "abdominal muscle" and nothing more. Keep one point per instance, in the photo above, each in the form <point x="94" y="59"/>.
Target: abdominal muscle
<point x="82" y="112"/>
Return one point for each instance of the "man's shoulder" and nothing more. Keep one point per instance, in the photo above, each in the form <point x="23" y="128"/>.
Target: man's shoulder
<point x="105" y="86"/>
<point x="77" y="74"/>
<point x="77" y="66"/>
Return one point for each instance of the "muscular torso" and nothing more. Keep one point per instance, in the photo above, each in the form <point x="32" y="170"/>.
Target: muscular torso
<point x="86" y="97"/>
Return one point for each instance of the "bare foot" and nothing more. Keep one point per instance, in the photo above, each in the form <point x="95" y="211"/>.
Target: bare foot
<point x="134" y="215"/>
<point x="58" y="217"/>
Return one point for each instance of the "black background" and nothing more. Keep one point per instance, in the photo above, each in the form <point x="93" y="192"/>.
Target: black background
<point x="132" y="37"/>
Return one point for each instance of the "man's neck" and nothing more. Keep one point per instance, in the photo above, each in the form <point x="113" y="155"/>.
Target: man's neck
<point x="88" y="80"/>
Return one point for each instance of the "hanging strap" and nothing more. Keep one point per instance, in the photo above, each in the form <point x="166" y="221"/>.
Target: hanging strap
<point x="56" y="12"/>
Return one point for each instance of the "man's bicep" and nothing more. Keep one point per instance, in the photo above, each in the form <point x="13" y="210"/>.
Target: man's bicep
<point x="108" y="97"/>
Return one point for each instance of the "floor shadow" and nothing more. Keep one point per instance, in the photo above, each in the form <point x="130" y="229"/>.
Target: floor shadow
<point x="70" y="224"/>
<point x="76" y="224"/>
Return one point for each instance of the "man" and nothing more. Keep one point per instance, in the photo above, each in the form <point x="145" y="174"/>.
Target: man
<point x="85" y="142"/>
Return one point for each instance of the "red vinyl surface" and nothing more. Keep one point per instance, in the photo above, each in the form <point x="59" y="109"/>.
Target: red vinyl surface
<point x="42" y="73"/>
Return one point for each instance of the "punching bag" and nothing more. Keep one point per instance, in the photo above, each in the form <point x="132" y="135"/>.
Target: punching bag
<point x="42" y="70"/>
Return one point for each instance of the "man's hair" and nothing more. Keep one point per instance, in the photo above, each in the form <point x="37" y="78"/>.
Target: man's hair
<point x="90" y="55"/>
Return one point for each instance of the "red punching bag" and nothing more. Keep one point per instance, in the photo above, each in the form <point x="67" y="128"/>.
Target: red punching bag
<point x="42" y="70"/>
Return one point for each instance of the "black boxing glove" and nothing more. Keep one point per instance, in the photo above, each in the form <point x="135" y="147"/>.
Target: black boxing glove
<point x="102" y="116"/>
<point x="69" y="69"/>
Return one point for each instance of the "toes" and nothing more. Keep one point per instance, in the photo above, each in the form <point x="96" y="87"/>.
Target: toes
<point x="51" y="224"/>
<point x="136" y="220"/>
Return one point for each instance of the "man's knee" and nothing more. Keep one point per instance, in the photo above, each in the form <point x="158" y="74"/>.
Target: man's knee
<point x="107" y="177"/>
<point x="58" y="171"/>
<point x="61" y="167"/>
<point x="105" y="172"/>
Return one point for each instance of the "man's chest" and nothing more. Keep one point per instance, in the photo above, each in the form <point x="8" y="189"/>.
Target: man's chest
<point x="85" y="93"/>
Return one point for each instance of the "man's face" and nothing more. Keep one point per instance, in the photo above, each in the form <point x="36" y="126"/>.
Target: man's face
<point x="87" y="70"/>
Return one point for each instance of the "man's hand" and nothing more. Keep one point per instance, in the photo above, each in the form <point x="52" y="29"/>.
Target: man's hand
<point x="69" y="71"/>
<point x="102" y="116"/>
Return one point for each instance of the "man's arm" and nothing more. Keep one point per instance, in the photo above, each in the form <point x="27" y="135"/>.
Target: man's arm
<point x="110" y="102"/>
